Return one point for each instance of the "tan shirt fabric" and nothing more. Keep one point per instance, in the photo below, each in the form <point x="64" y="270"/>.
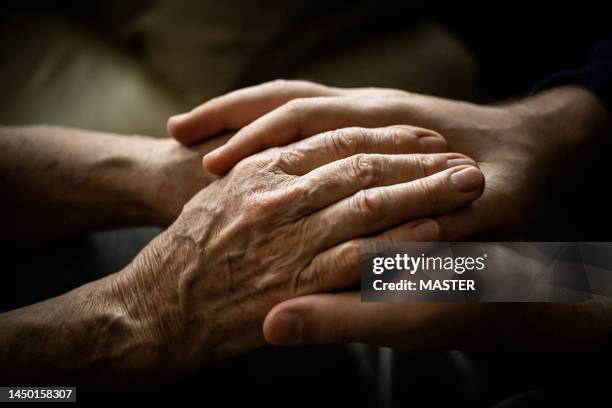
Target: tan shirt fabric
<point x="125" y="66"/>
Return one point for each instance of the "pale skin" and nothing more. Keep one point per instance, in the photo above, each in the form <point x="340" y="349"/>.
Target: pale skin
<point x="284" y="223"/>
<point x="519" y="146"/>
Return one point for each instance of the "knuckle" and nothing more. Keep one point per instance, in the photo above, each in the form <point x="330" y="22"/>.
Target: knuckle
<point x="397" y="104"/>
<point x="252" y="214"/>
<point x="270" y="203"/>
<point x="282" y="83"/>
<point x="369" y="203"/>
<point x="296" y="106"/>
<point x="305" y="280"/>
<point x="430" y="191"/>
<point x="278" y="84"/>
<point x="424" y="164"/>
<point x="383" y="92"/>
<point x="297" y="193"/>
<point x="293" y="199"/>
<point x="296" y="87"/>
<point x="394" y="93"/>
<point x="331" y="272"/>
<point x="248" y="166"/>
<point x="263" y="204"/>
<point x="287" y="158"/>
<point x="366" y="168"/>
<point x="347" y="141"/>
<point x="348" y="261"/>
<point x="285" y="87"/>
<point x="398" y="137"/>
<point x="340" y="142"/>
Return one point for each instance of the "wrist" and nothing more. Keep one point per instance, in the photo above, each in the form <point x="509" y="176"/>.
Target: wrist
<point x="174" y="174"/>
<point x="189" y="314"/>
<point x="571" y="116"/>
<point x="153" y="297"/>
<point x="136" y="180"/>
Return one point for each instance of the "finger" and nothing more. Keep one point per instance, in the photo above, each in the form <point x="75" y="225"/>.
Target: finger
<point x="339" y="267"/>
<point x="343" y="318"/>
<point x="301" y="157"/>
<point x="471" y="221"/>
<point x="375" y="209"/>
<point x="239" y="108"/>
<point x="302" y="118"/>
<point x="480" y="217"/>
<point x="343" y="178"/>
<point x="284" y="324"/>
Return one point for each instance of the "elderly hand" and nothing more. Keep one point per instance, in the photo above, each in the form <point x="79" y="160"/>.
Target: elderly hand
<point x="283" y="223"/>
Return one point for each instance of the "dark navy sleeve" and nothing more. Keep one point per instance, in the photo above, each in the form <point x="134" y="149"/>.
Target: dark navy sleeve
<point x="596" y="74"/>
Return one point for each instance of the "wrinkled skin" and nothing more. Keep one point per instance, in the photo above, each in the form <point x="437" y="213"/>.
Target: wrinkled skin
<point x="285" y="222"/>
<point x="278" y="226"/>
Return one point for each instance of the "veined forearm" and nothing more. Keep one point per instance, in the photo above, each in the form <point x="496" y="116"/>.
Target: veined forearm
<point x="83" y="336"/>
<point x="58" y="180"/>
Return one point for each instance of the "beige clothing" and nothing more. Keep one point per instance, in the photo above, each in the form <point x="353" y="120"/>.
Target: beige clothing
<point x="125" y="66"/>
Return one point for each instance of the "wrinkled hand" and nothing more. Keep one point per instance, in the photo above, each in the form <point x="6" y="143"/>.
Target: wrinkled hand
<point x="283" y="223"/>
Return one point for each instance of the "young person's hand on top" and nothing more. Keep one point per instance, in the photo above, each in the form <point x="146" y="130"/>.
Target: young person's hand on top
<point x="519" y="146"/>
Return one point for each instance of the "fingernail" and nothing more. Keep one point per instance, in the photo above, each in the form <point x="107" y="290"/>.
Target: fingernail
<point x="288" y="328"/>
<point x="212" y="153"/>
<point x="458" y="162"/>
<point x="430" y="144"/>
<point x="467" y="179"/>
<point x="179" y="117"/>
<point x="426" y="231"/>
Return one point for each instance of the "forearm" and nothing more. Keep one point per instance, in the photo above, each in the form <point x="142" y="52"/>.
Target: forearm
<point x="83" y="336"/>
<point x="127" y="328"/>
<point x="572" y="115"/>
<point x="59" y="180"/>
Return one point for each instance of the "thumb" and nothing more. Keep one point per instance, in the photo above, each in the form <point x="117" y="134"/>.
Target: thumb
<point x="343" y="318"/>
<point x="483" y="215"/>
<point x="329" y="319"/>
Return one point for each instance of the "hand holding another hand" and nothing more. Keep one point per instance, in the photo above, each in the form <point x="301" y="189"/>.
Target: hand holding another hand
<point x="283" y="223"/>
<point x="519" y="146"/>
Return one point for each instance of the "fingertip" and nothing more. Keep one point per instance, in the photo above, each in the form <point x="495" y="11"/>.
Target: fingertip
<point x="215" y="163"/>
<point x="222" y="159"/>
<point x="467" y="179"/>
<point x="268" y="324"/>
<point x="178" y="126"/>
<point x="283" y="327"/>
